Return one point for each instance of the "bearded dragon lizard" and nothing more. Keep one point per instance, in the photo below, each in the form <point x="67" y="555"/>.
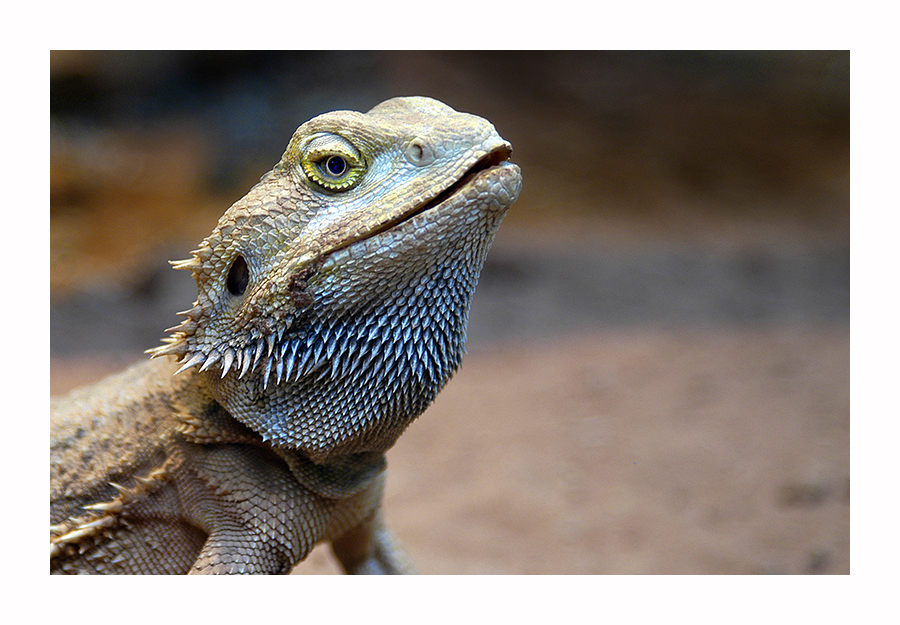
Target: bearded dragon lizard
<point x="331" y="309"/>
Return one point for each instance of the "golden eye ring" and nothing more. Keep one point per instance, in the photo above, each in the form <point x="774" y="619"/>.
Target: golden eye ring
<point x="332" y="163"/>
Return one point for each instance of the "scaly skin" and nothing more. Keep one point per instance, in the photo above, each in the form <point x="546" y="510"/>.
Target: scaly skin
<point x="331" y="309"/>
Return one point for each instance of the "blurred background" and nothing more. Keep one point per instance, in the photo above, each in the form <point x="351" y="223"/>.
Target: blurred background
<point x="657" y="378"/>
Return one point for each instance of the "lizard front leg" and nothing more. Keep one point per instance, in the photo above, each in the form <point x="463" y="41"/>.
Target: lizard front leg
<point x="258" y="517"/>
<point x="370" y="548"/>
<point x="361" y="541"/>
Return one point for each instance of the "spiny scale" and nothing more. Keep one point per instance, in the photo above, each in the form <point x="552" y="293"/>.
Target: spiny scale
<point x="103" y="515"/>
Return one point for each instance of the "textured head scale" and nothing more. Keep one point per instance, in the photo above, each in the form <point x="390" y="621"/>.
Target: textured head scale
<point x="333" y="298"/>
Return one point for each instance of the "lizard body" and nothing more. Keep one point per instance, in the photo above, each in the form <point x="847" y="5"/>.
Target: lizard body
<point x="332" y="305"/>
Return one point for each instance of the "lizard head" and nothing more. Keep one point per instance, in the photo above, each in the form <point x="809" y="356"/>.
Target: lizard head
<point x="333" y="298"/>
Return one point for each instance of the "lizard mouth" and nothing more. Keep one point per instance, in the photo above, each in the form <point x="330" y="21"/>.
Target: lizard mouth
<point x="495" y="158"/>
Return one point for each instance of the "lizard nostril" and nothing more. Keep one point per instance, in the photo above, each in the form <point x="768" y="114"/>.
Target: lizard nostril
<point x="238" y="277"/>
<point x="419" y="153"/>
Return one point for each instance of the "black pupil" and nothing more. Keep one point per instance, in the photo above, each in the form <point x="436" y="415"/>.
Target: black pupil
<point x="336" y="166"/>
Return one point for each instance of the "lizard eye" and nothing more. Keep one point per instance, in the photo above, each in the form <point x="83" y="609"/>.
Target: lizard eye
<point x="332" y="163"/>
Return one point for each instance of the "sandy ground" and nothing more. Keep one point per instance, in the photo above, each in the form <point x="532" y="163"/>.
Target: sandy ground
<point x="644" y="452"/>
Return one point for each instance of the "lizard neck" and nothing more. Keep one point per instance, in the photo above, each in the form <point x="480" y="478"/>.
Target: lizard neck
<point x="358" y="380"/>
